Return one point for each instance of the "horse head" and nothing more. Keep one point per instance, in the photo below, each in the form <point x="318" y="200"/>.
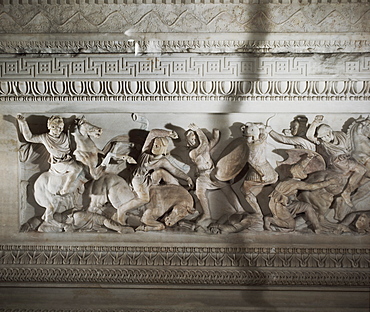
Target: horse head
<point x="87" y="129"/>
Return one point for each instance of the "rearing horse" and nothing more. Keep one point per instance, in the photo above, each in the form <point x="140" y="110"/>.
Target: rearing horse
<point x="86" y="150"/>
<point x="88" y="153"/>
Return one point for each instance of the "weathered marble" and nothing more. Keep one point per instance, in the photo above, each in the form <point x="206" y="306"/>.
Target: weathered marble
<point x="218" y="64"/>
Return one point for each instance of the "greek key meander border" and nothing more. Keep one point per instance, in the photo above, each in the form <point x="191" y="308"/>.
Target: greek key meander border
<point x="230" y="78"/>
<point x="180" y="67"/>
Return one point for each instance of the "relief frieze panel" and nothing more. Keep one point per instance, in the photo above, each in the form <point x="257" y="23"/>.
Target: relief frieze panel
<point x="156" y="179"/>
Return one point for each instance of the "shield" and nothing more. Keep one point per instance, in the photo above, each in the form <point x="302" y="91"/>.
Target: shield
<point x="295" y="155"/>
<point x="234" y="159"/>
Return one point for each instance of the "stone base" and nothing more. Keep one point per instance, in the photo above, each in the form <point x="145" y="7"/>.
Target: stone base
<point x="194" y="299"/>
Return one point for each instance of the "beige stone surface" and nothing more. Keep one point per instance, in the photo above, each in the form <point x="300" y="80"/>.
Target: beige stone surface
<point x="214" y="63"/>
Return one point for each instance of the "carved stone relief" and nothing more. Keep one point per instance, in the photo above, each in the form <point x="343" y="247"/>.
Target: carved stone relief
<point x="134" y="183"/>
<point x="164" y="168"/>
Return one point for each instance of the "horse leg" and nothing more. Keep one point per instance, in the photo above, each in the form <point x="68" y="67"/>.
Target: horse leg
<point x="358" y="171"/>
<point x="48" y="214"/>
<point x="123" y="209"/>
<point x="107" y="159"/>
<point x="48" y="217"/>
<point x="96" y="172"/>
<point x="92" y="162"/>
<point x="123" y="157"/>
<point x="97" y="202"/>
<point x="149" y="218"/>
<point x="71" y="177"/>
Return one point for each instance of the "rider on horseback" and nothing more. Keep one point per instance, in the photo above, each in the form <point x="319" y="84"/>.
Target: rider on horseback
<point x="57" y="144"/>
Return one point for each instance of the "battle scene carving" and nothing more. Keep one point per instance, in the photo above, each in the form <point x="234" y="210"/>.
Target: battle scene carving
<point x="162" y="179"/>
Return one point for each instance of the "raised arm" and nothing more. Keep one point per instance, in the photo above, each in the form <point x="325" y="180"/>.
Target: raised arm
<point x="286" y="139"/>
<point x="304" y="186"/>
<point x="158" y="133"/>
<point x="204" y="144"/>
<point x="25" y="130"/>
<point x="215" y="138"/>
<point x="312" y="129"/>
<point x="290" y="140"/>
